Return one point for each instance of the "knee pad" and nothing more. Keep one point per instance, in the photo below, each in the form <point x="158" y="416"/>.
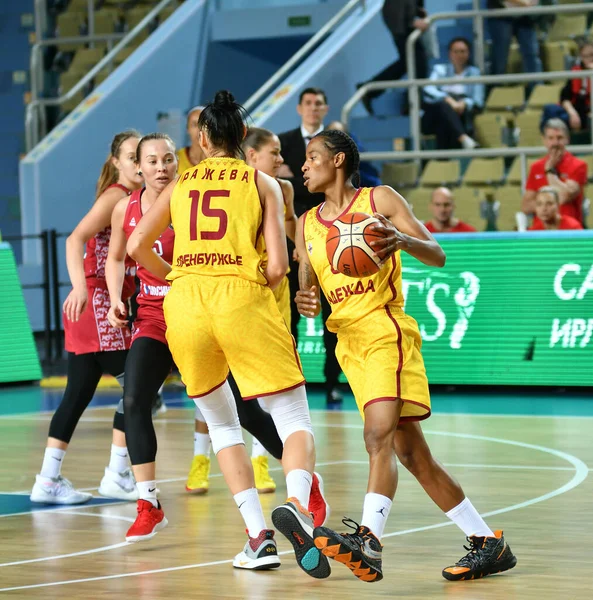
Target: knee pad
<point x="290" y="412"/>
<point x="220" y="413"/>
<point x="120" y="379"/>
<point x="198" y="416"/>
<point x="120" y="407"/>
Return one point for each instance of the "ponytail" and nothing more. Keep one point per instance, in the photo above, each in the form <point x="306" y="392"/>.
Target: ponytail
<point x="109" y="173"/>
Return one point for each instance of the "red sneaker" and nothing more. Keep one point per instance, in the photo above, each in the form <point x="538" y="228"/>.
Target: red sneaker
<point x="317" y="503"/>
<point x="150" y="519"/>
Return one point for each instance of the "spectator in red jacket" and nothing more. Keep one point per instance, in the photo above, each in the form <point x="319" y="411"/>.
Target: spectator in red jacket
<point x="442" y="205"/>
<point x="559" y="169"/>
<point x="576" y="94"/>
<point x="547" y="209"/>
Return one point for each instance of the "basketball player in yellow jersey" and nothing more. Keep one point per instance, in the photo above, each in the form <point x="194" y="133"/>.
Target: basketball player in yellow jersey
<point x="191" y="155"/>
<point x="379" y="352"/>
<point x="221" y="312"/>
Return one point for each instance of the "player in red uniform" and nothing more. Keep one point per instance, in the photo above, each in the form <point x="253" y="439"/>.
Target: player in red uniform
<point x="149" y="360"/>
<point x="94" y="347"/>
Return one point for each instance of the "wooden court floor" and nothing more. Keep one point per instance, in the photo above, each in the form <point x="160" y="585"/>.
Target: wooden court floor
<point x="529" y="475"/>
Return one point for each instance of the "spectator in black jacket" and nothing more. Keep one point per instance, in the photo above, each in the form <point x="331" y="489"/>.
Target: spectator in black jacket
<point x="401" y="18"/>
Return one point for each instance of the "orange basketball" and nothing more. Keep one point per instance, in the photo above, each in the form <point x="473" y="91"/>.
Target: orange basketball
<point x="348" y="245"/>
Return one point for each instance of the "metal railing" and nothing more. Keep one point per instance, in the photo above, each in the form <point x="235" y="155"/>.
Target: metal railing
<point x="35" y="124"/>
<point x="478" y="18"/>
<point x="417" y="153"/>
<point x="303" y="52"/>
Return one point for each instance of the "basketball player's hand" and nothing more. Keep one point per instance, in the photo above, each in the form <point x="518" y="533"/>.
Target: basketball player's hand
<point x="307" y="302"/>
<point x="392" y="240"/>
<point x="75" y="304"/>
<point x="117" y="315"/>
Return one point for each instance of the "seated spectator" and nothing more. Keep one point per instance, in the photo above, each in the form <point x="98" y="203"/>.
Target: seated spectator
<point x="369" y="176"/>
<point x="575" y="98"/>
<point x="449" y="109"/>
<point x="442" y="205"/>
<point x="547" y="209"/>
<point x="559" y="169"/>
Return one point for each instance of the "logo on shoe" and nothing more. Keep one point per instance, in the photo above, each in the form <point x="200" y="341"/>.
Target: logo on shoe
<point x="298" y="538"/>
<point x="369" y="552"/>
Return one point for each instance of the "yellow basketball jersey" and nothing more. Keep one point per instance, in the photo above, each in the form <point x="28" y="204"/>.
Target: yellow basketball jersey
<point x="217" y="216"/>
<point x="183" y="162"/>
<point x="350" y="298"/>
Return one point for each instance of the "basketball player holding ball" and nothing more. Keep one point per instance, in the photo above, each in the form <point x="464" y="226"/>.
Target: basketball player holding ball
<point x="379" y="352"/>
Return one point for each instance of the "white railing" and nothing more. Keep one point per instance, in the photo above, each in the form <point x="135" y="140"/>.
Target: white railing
<point x="35" y="119"/>
<point x="306" y="50"/>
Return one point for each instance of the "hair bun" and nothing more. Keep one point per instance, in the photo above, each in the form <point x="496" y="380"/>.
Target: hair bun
<point x="224" y="99"/>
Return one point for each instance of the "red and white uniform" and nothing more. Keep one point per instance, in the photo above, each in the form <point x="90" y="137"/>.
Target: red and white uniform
<point x="92" y="332"/>
<point x="150" y="321"/>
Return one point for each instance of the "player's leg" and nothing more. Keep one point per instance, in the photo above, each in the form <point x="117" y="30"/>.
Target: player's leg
<point x="489" y="552"/>
<point x="83" y="375"/>
<point x="149" y="362"/>
<point x="197" y="480"/>
<point x="264" y="482"/>
<point x="118" y="480"/>
<point x="290" y="412"/>
<point x="219" y="409"/>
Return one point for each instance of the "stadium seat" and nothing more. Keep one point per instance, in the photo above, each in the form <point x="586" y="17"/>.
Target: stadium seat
<point x="484" y="172"/>
<point x="166" y="13"/>
<point x="556" y="55"/>
<point x="68" y="25"/>
<point x="468" y="206"/>
<point x="135" y="15"/>
<point x="123" y="54"/>
<point x="514" y="174"/>
<point x="67" y="82"/>
<point x="508" y="203"/>
<point x="514" y="61"/>
<point x="105" y="20"/>
<point x="543" y="94"/>
<point x="441" y="172"/>
<point x="86" y="58"/>
<point x="78" y="6"/>
<point x="528" y="122"/>
<point x="400" y="174"/>
<point x="567" y="27"/>
<point x="506" y="98"/>
<point x="489" y="129"/>
<point x="419" y="199"/>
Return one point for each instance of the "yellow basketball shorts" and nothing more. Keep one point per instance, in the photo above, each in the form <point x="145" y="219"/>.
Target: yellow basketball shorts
<point x="214" y="323"/>
<point x="380" y="356"/>
<point x="282" y="295"/>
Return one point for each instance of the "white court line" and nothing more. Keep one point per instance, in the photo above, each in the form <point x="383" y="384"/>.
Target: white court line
<point x="93" y="551"/>
<point x="581" y="472"/>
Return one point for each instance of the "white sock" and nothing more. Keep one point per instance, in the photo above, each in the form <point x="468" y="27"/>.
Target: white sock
<point x="118" y="462"/>
<point x="251" y="511"/>
<point x="147" y="491"/>
<point x="375" y="512"/>
<point x="468" y="143"/>
<point x="298" y="485"/>
<point x="52" y="462"/>
<point x="467" y="518"/>
<point x="257" y="449"/>
<point x="201" y="444"/>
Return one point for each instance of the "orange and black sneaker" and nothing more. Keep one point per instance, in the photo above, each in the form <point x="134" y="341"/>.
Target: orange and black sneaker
<point x="361" y="552"/>
<point x="486" y="556"/>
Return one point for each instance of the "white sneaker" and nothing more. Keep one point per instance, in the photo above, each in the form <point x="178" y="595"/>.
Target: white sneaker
<point x="259" y="554"/>
<point x="121" y="486"/>
<point x="57" y="491"/>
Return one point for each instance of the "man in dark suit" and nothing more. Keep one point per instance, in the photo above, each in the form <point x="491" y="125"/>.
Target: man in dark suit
<point x="312" y="108"/>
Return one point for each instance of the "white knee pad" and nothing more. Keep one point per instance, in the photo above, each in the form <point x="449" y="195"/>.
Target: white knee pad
<point x="290" y="412"/>
<point x="198" y="415"/>
<point x="220" y="413"/>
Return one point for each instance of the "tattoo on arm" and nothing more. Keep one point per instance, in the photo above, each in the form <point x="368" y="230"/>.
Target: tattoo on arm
<point x="306" y="277"/>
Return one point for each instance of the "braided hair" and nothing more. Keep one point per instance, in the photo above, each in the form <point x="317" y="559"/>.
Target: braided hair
<point x="338" y="141"/>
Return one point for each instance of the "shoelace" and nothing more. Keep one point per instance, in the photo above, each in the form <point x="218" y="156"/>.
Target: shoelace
<point x="471" y="559"/>
<point x="353" y="525"/>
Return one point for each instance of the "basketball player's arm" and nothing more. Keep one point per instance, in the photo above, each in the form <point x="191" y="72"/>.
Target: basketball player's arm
<point x="149" y="228"/>
<point x="307" y="298"/>
<point x="92" y="223"/>
<point x="273" y="229"/>
<point x="290" y="219"/>
<point x="115" y="267"/>
<point x="402" y="230"/>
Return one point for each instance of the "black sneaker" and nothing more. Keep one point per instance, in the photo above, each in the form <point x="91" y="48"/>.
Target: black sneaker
<point x="361" y="552"/>
<point x="486" y="556"/>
